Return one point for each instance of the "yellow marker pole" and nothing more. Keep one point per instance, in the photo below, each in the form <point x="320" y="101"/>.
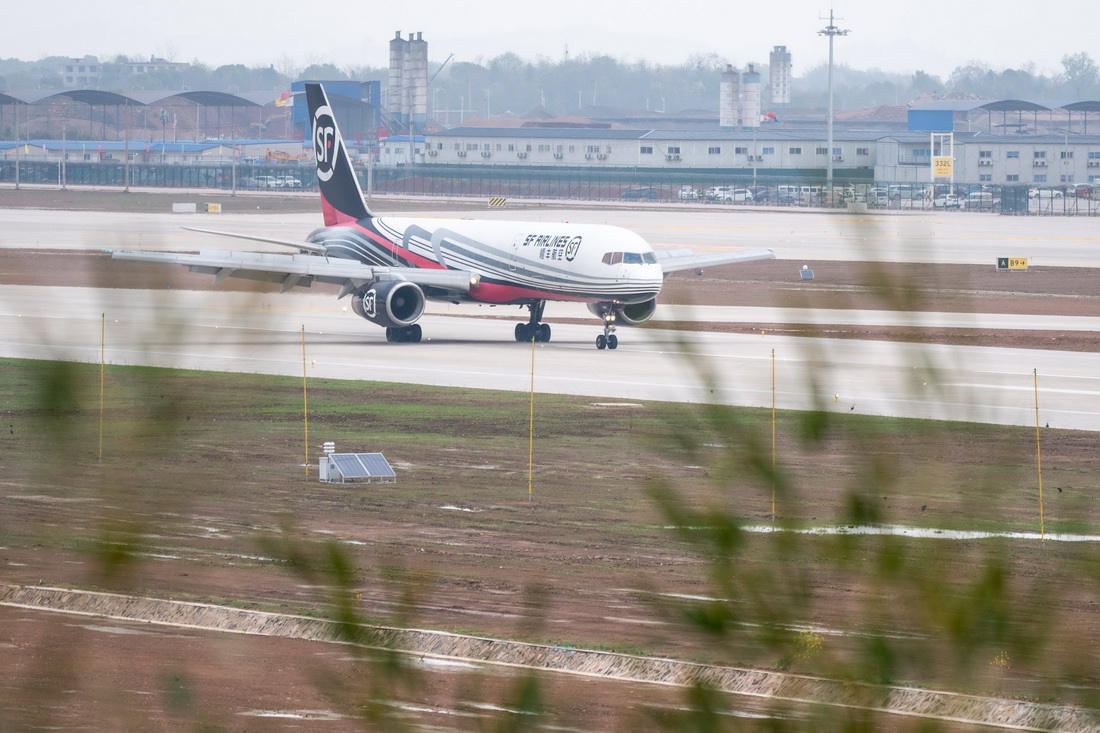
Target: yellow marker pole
<point x="102" y="361"/>
<point x="305" y="402"/>
<point x="1039" y="457"/>
<point x="773" y="435"/>
<point x="531" y="426"/>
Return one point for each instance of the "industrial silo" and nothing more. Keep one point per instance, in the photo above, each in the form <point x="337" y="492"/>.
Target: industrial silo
<point x="780" y="76"/>
<point x="750" y="98"/>
<point x="729" y="95"/>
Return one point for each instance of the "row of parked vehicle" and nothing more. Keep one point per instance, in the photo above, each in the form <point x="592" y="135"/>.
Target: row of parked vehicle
<point x="904" y="195"/>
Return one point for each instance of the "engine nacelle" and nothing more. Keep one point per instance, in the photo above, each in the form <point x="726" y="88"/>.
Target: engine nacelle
<point x="627" y="314"/>
<point x="390" y="303"/>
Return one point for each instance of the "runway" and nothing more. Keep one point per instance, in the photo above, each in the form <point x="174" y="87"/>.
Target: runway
<point x="237" y="332"/>
<point x="219" y="330"/>
<point x="926" y="237"/>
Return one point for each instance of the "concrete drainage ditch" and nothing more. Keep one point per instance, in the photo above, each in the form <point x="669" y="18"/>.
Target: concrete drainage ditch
<point x="736" y="681"/>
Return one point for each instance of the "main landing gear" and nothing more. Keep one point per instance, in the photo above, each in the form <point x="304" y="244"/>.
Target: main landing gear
<point x="533" y="330"/>
<point x="404" y="334"/>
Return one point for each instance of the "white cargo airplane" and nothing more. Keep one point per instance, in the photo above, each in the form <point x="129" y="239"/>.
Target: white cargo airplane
<point x="391" y="266"/>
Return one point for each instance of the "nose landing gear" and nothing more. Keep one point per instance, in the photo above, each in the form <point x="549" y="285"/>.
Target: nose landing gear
<point x="608" y="339"/>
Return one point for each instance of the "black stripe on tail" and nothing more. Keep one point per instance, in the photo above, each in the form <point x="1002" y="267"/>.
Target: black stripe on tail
<point x="341" y="197"/>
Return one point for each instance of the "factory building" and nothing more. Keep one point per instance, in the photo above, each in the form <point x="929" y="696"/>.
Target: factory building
<point x="768" y="152"/>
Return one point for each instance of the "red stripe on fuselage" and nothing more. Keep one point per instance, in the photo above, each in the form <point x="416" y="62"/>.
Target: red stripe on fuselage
<point x="501" y="293"/>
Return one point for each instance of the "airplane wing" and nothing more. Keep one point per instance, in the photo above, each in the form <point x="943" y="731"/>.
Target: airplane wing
<point x="302" y="269"/>
<point x="677" y="260"/>
<point x="307" y="246"/>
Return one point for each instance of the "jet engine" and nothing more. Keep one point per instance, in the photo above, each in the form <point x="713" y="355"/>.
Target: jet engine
<point x="628" y="314"/>
<point x="390" y="303"/>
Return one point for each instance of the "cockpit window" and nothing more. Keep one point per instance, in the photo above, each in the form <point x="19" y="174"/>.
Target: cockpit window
<point x="629" y="258"/>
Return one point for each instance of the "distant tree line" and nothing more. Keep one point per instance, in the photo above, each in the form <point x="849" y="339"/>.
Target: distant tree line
<point x="510" y="85"/>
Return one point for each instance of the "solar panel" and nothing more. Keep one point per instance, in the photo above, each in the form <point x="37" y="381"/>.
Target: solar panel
<point x="377" y="465"/>
<point x="349" y="466"/>
<point x="362" y="466"/>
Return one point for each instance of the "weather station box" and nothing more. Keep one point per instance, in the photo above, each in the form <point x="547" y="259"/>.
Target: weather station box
<point x="184" y="208"/>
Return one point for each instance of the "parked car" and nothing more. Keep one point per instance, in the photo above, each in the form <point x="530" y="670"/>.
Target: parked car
<point x="878" y="197"/>
<point x="1085" y="191"/>
<point x="737" y="196"/>
<point x="717" y="193"/>
<point x="1044" y="193"/>
<point x="260" y="182"/>
<point x="981" y="201"/>
<point x="688" y="193"/>
<point x="903" y="191"/>
<point x="287" y="182"/>
<point x="640" y="193"/>
<point x="947" y="201"/>
<point x="760" y="193"/>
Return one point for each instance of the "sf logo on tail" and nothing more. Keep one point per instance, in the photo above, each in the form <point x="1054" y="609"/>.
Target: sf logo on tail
<point x="324" y="142"/>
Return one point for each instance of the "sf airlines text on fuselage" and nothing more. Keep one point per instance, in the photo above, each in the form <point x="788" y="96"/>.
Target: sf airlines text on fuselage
<point x="554" y="246"/>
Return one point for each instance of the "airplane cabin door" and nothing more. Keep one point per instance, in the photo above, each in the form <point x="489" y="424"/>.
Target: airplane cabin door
<point x="513" y="259"/>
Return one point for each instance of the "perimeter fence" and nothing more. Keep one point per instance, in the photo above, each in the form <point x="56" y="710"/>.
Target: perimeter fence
<point x="732" y="188"/>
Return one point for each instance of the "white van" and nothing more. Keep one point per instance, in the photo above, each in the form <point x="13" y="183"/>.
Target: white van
<point x="803" y="194"/>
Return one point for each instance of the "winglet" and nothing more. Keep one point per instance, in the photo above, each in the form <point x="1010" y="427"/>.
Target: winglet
<point x="341" y="197"/>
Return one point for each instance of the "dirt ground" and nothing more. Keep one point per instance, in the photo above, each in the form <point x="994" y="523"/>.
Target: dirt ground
<point x="588" y="560"/>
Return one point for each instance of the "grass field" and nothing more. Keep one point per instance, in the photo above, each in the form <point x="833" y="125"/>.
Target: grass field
<point x="201" y="495"/>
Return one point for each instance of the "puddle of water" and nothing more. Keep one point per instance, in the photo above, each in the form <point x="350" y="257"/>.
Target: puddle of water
<point x="926" y="533"/>
<point x="294" y="714"/>
<point x="640" y="621"/>
<point x="120" y="630"/>
<point x="437" y="663"/>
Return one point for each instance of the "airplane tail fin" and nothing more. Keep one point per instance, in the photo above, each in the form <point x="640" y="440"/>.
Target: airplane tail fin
<point x="341" y="197"/>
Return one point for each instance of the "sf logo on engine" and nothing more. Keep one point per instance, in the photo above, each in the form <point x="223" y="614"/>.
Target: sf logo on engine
<point x="370" y="303"/>
<point x="324" y="142"/>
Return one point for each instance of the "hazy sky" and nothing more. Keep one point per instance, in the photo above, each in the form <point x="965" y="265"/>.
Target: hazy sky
<point x="894" y="35"/>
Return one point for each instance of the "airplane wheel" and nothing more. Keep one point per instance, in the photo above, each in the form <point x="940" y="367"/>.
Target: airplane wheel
<point x="544" y="332"/>
<point x="391" y="334"/>
<point x="601" y="342"/>
<point x="415" y="333"/>
<point x="521" y="332"/>
<point x="612" y="341"/>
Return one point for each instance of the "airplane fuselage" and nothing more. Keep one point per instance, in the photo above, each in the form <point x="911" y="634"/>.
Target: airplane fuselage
<point x="516" y="262"/>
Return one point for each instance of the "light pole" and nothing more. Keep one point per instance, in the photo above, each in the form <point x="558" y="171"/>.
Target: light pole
<point x="163" y="131"/>
<point x="64" y="147"/>
<point x="831" y="31"/>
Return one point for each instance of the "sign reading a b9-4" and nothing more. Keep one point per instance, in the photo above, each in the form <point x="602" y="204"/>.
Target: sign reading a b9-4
<point x="1012" y="263"/>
